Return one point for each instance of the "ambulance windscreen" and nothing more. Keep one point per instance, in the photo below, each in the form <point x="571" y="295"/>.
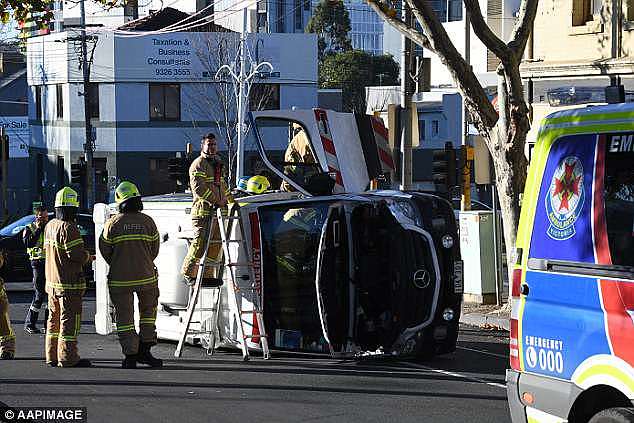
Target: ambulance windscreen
<point x="287" y="146"/>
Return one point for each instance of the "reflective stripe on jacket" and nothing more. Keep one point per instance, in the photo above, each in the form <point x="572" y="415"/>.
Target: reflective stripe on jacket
<point x="206" y="191"/>
<point x="129" y="243"/>
<point x="33" y="238"/>
<point x="65" y="258"/>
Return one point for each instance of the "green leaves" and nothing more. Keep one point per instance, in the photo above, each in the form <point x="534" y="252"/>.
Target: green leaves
<point x="354" y="70"/>
<point x="331" y="23"/>
<point x="38" y="10"/>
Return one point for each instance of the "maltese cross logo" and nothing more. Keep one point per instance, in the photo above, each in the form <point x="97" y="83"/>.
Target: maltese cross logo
<point x="565" y="198"/>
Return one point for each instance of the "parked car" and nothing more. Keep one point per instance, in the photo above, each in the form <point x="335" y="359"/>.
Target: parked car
<point x="17" y="266"/>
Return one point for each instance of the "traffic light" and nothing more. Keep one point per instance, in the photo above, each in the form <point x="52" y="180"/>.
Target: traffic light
<point x="177" y="170"/>
<point x="78" y="173"/>
<point x="444" y="168"/>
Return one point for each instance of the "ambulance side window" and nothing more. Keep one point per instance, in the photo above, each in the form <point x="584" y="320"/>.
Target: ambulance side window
<point x="619" y="198"/>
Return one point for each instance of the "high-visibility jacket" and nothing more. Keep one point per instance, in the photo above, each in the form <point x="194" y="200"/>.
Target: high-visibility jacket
<point x="129" y="243"/>
<point x="33" y="238"/>
<point x="208" y="189"/>
<point x="65" y="258"/>
<point x="298" y="151"/>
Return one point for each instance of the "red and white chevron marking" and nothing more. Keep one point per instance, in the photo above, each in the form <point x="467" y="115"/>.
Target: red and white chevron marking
<point x="329" y="147"/>
<point x="382" y="144"/>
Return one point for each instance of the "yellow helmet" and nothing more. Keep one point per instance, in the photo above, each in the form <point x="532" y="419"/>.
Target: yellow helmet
<point x="66" y="197"/>
<point x="258" y="184"/>
<point x="125" y="191"/>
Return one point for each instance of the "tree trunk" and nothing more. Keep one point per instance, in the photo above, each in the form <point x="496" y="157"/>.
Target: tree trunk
<point x="510" y="177"/>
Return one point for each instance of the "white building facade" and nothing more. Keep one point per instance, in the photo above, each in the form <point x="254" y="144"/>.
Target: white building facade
<point x="150" y="96"/>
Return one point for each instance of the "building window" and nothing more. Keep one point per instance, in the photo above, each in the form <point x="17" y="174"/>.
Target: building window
<point x="131" y="9"/>
<point x="583" y="11"/>
<point x="264" y="97"/>
<point x="421" y="129"/>
<point x="93" y="101"/>
<point x="629" y="10"/>
<point x="38" y="102"/>
<point x="60" y="101"/>
<point x="299" y="15"/>
<point x="165" y="102"/>
<point x="434" y="128"/>
<point x="280" y="15"/>
<point x="455" y="10"/>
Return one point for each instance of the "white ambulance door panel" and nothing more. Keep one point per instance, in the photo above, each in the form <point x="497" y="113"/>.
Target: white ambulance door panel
<point x="348" y="150"/>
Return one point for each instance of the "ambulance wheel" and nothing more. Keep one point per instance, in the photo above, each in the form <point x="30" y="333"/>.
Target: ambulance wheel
<point x="614" y="415"/>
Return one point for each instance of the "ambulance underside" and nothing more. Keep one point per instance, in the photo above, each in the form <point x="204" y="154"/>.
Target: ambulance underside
<point x="345" y="274"/>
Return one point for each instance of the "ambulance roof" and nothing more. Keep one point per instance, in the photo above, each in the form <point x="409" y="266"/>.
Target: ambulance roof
<point x="592" y="110"/>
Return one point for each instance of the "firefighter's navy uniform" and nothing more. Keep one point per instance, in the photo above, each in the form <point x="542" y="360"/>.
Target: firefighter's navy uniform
<point x="65" y="284"/>
<point x="129" y="244"/>
<point x="209" y="191"/>
<point x="33" y="238"/>
<point x="7" y="337"/>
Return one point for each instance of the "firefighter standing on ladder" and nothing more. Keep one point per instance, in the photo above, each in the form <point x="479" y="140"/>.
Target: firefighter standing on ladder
<point x="65" y="282"/>
<point x="129" y="244"/>
<point x="209" y="191"/>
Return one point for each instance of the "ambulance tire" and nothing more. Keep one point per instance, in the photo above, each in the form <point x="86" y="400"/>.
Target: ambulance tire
<point x="614" y="415"/>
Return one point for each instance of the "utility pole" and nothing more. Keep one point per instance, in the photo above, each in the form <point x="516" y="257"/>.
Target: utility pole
<point x="465" y="203"/>
<point x="5" y="172"/>
<point x="243" y="78"/>
<point x="242" y="101"/>
<point x="88" y="145"/>
<point x="407" y="89"/>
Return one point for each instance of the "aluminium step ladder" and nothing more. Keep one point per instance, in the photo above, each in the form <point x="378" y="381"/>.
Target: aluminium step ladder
<point x="225" y="263"/>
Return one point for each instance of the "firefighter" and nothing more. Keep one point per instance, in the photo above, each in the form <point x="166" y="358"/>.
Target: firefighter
<point x="33" y="238"/>
<point x="65" y="282"/>
<point x="129" y="244"/>
<point x="209" y="191"/>
<point x="298" y="151"/>
<point x="7" y="337"/>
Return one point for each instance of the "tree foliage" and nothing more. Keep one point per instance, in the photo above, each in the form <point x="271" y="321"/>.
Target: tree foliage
<point x="353" y="71"/>
<point x="40" y="10"/>
<point x="331" y="22"/>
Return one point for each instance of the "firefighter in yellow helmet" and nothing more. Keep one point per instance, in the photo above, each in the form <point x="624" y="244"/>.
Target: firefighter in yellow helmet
<point x="298" y="151"/>
<point x="129" y="244"/>
<point x="209" y="191"/>
<point x="7" y="337"/>
<point x="65" y="283"/>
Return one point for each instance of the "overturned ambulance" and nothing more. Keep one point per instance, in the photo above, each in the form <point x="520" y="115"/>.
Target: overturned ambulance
<point x="338" y="269"/>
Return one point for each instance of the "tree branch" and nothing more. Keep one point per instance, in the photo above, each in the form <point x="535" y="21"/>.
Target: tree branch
<point x="483" y="32"/>
<point x="523" y="27"/>
<point x="407" y="30"/>
<point x="474" y="96"/>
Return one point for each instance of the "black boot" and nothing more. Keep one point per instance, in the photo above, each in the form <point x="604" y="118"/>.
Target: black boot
<point x="145" y="356"/>
<point x="30" y="322"/>
<point x="129" y="362"/>
<point x="6" y="355"/>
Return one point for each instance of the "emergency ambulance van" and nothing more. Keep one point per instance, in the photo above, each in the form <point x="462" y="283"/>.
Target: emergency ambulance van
<point x="572" y="327"/>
